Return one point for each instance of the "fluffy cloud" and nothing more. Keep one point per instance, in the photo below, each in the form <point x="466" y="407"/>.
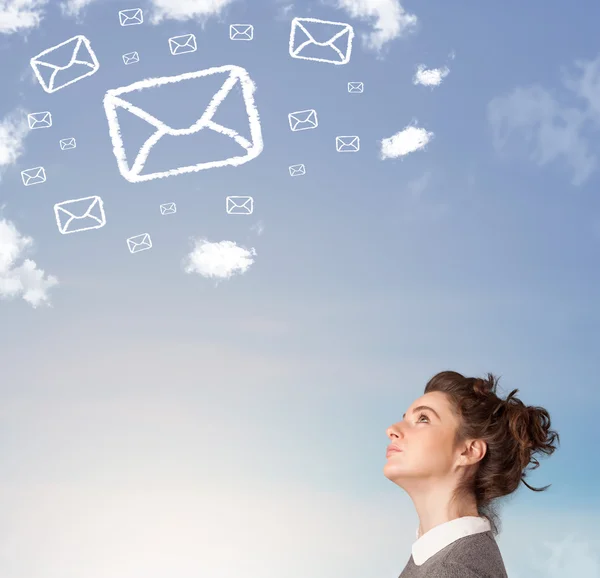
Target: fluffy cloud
<point x="219" y="260"/>
<point x="430" y="76"/>
<point x="20" y="15"/>
<point x="406" y="141"/>
<point x="24" y="279"/>
<point x="389" y="18"/>
<point x="187" y="9"/>
<point x="546" y="129"/>
<point x="13" y="130"/>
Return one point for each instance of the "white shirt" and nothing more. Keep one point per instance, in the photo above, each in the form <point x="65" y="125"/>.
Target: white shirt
<point x="443" y="535"/>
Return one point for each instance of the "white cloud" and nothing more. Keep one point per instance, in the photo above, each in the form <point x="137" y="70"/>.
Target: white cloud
<point x="20" y="15"/>
<point x="13" y="130"/>
<point x="548" y="129"/>
<point x="74" y="7"/>
<point x="218" y="260"/>
<point x="187" y="9"/>
<point x="430" y="76"/>
<point x="24" y="280"/>
<point x="406" y="141"/>
<point x="390" y="20"/>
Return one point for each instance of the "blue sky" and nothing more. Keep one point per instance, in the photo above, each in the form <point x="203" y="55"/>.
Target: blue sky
<point x="156" y="421"/>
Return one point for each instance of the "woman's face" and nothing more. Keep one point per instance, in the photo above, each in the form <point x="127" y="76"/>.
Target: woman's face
<point x="425" y="439"/>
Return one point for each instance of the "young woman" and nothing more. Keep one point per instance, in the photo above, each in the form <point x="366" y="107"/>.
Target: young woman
<point x="458" y="448"/>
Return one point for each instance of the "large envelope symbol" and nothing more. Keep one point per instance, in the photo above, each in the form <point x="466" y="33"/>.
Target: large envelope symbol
<point x="39" y="120"/>
<point x="54" y="72"/>
<point x="314" y="34"/>
<point x="139" y="243"/>
<point x="131" y="17"/>
<point x="239" y="205"/>
<point x="303" y="120"/>
<point x="33" y="176"/>
<point x="80" y="215"/>
<point x="182" y="44"/>
<point x="241" y="32"/>
<point x="347" y="144"/>
<point x="201" y="121"/>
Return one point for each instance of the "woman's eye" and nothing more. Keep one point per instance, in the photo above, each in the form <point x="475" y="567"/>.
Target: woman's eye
<point x="423" y="416"/>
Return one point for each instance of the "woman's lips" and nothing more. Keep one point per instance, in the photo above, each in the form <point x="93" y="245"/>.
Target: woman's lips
<point x="392" y="451"/>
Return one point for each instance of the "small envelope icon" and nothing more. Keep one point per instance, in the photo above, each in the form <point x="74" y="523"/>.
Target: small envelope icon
<point x="239" y="205"/>
<point x="39" y="120"/>
<point x="356" y="87"/>
<point x="33" y="176"/>
<point x="54" y="71"/>
<point x="297" y="170"/>
<point x="168" y="209"/>
<point x="330" y="35"/>
<point x="303" y="120"/>
<point x="67" y="144"/>
<point x="139" y="243"/>
<point x="182" y="44"/>
<point x="131" y="17"/>
<point x="241" y="32"/>
<point x="131" y="58"/>
<point x="200" y="118"/>
<point x="80" y="215"/>
<point x="347" y="144"/>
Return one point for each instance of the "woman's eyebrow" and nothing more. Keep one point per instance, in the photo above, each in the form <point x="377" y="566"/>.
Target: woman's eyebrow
<point x="424" y="407"/>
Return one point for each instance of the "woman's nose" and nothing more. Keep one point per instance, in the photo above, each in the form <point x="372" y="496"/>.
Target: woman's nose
<point x="394" y="431"/>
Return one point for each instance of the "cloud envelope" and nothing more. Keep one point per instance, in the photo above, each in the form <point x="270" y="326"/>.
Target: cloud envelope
<point x="406" y="141"/>
<point x="24" y="280"/>
<point x="430" y="76"/>
<point x="220" y="260"/>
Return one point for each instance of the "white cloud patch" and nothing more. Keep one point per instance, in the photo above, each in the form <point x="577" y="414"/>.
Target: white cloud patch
<point x="219" y="260"/>
<point x="74" y="7"/>
<point x="13" y="130"/>
<point x="535" y="122"/>
<point x="430" y="76"/>
<point x="406" y="141"/>
<point x="20" y="15"/>
<point x="389" y="19"/>
<point x="24" y="279"/>
<point x="187" y="9"/>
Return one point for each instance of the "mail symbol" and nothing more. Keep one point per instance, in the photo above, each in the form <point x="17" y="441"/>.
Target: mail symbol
<point x="34" y="176"/>
<point x="67" y="144"/>
<point x="303" y="120"/>
<point x="182" y="44"/>
<point x="139" y="243"/>
<point x="131" y="17"/>
<point x="241" y="32"/>
<point x="356" y="87"/>
<point x="347" y="144"/>
<point x="239" y="205"/>
<point x="54" y="71"/>
<point x="80" y="215"/>
<point x="312" y="39"/>
<point x="131" y="58"/>
<point x="168" y="209"/>
<point x="200" y="121"/>
<point x="39" y="120"/>
<point x="297" y="170"/>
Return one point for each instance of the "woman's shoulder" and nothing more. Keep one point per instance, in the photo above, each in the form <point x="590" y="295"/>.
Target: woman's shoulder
<point x="474" y="556"/>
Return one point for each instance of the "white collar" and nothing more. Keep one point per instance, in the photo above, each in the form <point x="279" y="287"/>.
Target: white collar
<point x="443" y="535"/>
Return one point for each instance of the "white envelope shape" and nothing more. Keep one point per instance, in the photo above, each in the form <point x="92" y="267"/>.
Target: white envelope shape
<point x="67" y="144"/>
<point x="356" y="87"/>
<point x="347" y="144"/>
<point x="131" y="17"/>
<point x="239" y="205"/>
<point x="39" y="120"/>
<point x="297" y="170"/>
<point x="168" y="209"/>
<point x="80" y="215"/>
<point x="317" y="36"/>
<point x="303" y="120"/>
<point x="182" y="44"/>
<point x="200" y="121"/>
<point x="33" y="176"/>
<point x="139" y="243"/>
<point x="131" y="58"/>
<point x="241" y="32"/>
<point x="54" y="71"/>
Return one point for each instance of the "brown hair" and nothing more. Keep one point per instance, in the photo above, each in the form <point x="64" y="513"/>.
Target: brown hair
<point x="514" y="433"/>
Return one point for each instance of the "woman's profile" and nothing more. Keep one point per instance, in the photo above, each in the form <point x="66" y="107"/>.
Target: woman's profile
<point x="458" y="448"/>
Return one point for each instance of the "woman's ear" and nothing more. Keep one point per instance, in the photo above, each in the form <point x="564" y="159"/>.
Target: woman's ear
<point x="474" y="452"/>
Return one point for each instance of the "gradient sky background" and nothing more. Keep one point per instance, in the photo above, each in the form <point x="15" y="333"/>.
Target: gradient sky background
<point x="156" y="424"/>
